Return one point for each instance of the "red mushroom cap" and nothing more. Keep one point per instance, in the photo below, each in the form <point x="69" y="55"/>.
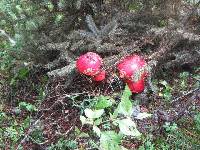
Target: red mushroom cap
<point x="130" y="68"/>
<point x="136" y="87"/>
<point x="100" y="76"/>
<point x="89" y="64"/>
<point x="130" y="65"/>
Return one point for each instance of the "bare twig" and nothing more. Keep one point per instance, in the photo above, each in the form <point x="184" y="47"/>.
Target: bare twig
<point x="30" y="130"/>
<point x="65" y="71"/>
<point x="185" y="34"/>
<point x="185" y="94"/>
<point x="12" y="41"/>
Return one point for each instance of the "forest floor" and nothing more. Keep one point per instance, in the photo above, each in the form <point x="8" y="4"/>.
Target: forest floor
<point x="53" y="120"/>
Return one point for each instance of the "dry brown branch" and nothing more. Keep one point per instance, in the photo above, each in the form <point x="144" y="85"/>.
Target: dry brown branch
<point x="30" y="130"/>
<point x="166" y="45"/>
<point x="185" y="35"/>
<point x="111" y="61"/>
<point x="65" y="71"/>
<point x="192" y="92"/>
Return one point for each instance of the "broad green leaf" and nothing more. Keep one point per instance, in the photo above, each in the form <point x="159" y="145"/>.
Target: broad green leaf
<point x="92" y="114"/>
<point x="98" y="121"/>
<point x="110" y="140"/>
<point x="125" y="106"/>
<point x="143" y="115"/>
<point x="27" y="106"/>
<point x="83" y="135"/>
<point x="77" y="130"/>
<point x="103" y="102"/>
<point x="123" y="148"/>
<point x="97" y="130"/>
<point x="86" y="120"/>
<point x="80" y="134"/>
<point x="50" y="6"/>
<point x="128" y="127"/>
<point x="126" y="94"/>
<point x="163" y="82"/>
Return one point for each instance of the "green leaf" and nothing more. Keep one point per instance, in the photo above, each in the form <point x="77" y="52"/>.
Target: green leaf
<point x="167" y="90"/>
<point x="164" y="83"/>
<point x="123" y="148"/>
<point x="23" y="72"/>
<point x="19" y="9"/>
<point x="92" y="114"/>
<point x="59" y="18"/>
<point x="83" y="135"/>
<point x="97" y="130"/>
<point x="26" y="122"/>
<point x="197" y="121"/>
<point x="110" y="140"/>
<point x="77" y="130"/>
<point x="80" y="134"/>
<point x="128" y="127"/>
<point x="98" y="121"/>
<point x="125" y="106"/>
<point x="12" y="133"/>
<point x="50" y="6"/>
<point x="103" y="102"/>
<point x="27" y="106"/>
<point x="126" y="94"/>
<point x="2" y="116"/>
<point x="31" y="25"/>
<point x="86" y="120"/>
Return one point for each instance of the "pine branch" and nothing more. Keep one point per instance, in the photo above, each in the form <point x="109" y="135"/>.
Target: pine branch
<point x="110" y="28"/>
<point x="97" y="35"/>
<point x="58" y="46"/>
<point x="88" y="35"/>
<point x="107" y="47"/>
<point x="68" y="71"/>
<point x="110" y="62"/>
<point x="185" y="35"/>
<point x="92" y="26"/>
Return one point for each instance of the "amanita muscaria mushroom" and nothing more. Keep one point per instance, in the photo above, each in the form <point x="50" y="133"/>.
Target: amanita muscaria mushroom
<point x="136" y="87"/>
<point x="100" y="76"/>
<point x="131" y="67"/>
<point x="90" y="64"/>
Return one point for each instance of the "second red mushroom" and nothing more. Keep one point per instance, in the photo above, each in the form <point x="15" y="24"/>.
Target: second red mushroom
<point x="128" y="68"/>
